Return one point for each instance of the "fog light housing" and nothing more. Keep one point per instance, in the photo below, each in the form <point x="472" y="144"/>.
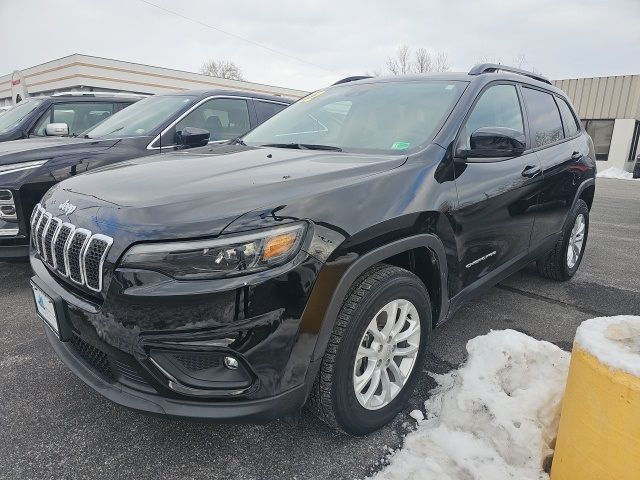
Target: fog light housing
<point x="201" y="372"/>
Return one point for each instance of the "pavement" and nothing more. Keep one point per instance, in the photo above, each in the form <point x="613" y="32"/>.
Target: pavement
<point x="53" y="426"/>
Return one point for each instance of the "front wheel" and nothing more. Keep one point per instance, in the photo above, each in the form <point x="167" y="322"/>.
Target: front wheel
<point x="375" y="353"/>
<point x="563" y="261"/>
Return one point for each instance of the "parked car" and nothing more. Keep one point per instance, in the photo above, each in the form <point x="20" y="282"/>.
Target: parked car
<point x="162" y="123"/>
<point x="61" y="114"/>
<point x="309" y="261"/>
<point x="5" y="109"/>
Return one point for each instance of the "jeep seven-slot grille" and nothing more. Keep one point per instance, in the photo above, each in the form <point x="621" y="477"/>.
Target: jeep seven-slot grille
<point x="73" y="252"/>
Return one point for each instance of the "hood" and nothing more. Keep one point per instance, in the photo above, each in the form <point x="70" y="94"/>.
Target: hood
<point x="17" y="151"/>
<point x="191" y="194"/>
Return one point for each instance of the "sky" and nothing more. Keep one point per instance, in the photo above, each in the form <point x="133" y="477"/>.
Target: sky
<point x="310" y="44"/>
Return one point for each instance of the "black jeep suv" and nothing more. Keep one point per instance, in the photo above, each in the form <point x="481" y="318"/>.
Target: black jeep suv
<point x="309" y="261"/>
<point x="163" y="123"/>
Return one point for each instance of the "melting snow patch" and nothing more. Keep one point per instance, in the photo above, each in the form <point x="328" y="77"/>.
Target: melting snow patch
<point x="614" y="172"/>
<point x="494" y="418"/>
<point x="615" y="341"/>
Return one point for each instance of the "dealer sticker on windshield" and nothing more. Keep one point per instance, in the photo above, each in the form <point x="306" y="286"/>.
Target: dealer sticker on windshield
<point x="400" y="145"/>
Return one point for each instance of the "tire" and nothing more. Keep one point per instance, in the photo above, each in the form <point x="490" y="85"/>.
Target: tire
<point x="556" y="265"/>
<point x="333" y="398"/>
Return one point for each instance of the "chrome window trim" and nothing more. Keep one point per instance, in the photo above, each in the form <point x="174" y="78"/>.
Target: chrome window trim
<point x="8" y="232"/>
<point x="109" y="242"/>
<point x="193" y="107"/>
<point x="82" y="247"/>
<point x="42" y="249"/>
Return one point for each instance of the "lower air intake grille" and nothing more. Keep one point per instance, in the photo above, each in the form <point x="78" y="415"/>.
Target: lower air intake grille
<point x="94" y="357"/>
<point x="194" y="362"/>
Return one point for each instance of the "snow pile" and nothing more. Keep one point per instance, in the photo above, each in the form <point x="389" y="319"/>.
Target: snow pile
<point x="494" y="418"/>
<point x="615" y="341"/>
<point x="614" y="172"/>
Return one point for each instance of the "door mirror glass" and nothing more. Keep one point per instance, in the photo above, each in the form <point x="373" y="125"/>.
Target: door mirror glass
<point x="495" y="142"/>
<point x="190" y="137"/>
<point x="57" y="130"/>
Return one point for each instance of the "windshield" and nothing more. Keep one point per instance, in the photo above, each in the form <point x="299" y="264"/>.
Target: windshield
<point x="141" y="118"/>
<point x="12" y="118"/>
<point x="385" y="117"/>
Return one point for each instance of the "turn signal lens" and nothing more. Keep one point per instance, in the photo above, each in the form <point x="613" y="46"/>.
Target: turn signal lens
<point x="279" y="245"/>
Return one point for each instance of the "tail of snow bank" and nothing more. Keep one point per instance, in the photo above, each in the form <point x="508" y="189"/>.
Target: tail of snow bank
<point x="494" y="418"/>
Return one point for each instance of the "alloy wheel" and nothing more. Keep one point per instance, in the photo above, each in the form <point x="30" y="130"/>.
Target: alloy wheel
<point x="576" y="241"/>
<point x="386" y="354"/>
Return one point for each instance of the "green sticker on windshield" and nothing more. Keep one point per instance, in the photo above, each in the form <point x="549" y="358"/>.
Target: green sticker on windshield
<point x="400" y="145"/>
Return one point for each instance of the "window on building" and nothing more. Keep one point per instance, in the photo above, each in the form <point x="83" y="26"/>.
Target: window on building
<point x="498" y="107"/>
<point x="266" y="110"/>
<point x="544" y="117"/>
<point x="633" y="152"/>
<point x="601" y="132"/>
<point x="570" y="124"/>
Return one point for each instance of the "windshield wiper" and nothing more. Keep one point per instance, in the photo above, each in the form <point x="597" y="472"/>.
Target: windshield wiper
<point x="303" y="146"/>
<point x="237" y="141"/>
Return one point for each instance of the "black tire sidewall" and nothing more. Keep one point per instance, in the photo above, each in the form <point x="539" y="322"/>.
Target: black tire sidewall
<point x="350" y="415"/>
<point x="580" y="208"/>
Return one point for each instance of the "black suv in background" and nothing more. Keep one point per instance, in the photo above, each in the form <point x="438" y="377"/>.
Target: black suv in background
<point x="310" y="260"/>
<point x="162" y="123"/>
<point x="79" y="111"/>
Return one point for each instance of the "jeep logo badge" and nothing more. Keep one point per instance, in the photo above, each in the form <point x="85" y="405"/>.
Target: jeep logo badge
<point x="67" y="207"/>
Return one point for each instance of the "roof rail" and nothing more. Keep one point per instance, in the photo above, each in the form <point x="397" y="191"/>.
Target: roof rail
<point x="98" y="94"/>
<point x="494" y="67"/>
<point x="351" y="79"/>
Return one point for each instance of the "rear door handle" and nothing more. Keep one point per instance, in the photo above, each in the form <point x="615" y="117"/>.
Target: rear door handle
<point x="530" y="171"/>
<point x="576" y="156"/>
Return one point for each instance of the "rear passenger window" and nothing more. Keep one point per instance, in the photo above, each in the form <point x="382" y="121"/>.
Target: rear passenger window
<point x="544" y="117"/>
<point x="570" y="124"/>
<point x="498" y="107"/>
<point x="266" y="110"/>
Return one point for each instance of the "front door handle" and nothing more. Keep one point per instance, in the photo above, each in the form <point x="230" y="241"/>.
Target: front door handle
<point x="576" y="156"/>
<point x="530" y="171"/>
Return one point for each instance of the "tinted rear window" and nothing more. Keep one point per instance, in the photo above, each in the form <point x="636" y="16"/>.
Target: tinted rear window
<point x="544" y="117"/>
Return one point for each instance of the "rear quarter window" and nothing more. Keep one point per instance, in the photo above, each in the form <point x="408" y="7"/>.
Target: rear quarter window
<point x="544" y="118"/>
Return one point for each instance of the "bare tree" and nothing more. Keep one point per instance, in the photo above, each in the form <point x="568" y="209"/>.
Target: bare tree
<point x="441" y="63"/>
<point x="400" y="64"/>
<point x="423" y="61"/>
<point x="222" y="68"/>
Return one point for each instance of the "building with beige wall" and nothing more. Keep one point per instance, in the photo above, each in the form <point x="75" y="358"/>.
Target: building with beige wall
<point x="610" y="111"/>
<point x="85" y="73"/>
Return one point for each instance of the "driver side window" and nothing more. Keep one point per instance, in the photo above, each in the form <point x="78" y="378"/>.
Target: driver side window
<point x="499" y="106"/>
<point x="223" y="118"/>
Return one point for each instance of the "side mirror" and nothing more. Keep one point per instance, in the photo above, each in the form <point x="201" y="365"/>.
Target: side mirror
<point x="495" y="142"/>
<point x="57" y="130"/>
<point x="191" y="137"/>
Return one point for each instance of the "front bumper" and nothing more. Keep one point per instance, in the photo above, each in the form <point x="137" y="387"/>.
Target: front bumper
<point x="251" y="411"/>
<point x="115" y="345"/>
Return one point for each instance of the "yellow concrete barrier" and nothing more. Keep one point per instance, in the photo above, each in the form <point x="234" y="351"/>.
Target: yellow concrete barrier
<point x="599" y="432"/>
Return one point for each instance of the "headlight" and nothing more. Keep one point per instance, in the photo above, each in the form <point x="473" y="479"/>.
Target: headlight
<point x="17" y="167"/>
<point x="221" y="257"/>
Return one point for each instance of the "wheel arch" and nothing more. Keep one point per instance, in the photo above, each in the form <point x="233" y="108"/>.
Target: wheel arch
<point x="394" y="253"/>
